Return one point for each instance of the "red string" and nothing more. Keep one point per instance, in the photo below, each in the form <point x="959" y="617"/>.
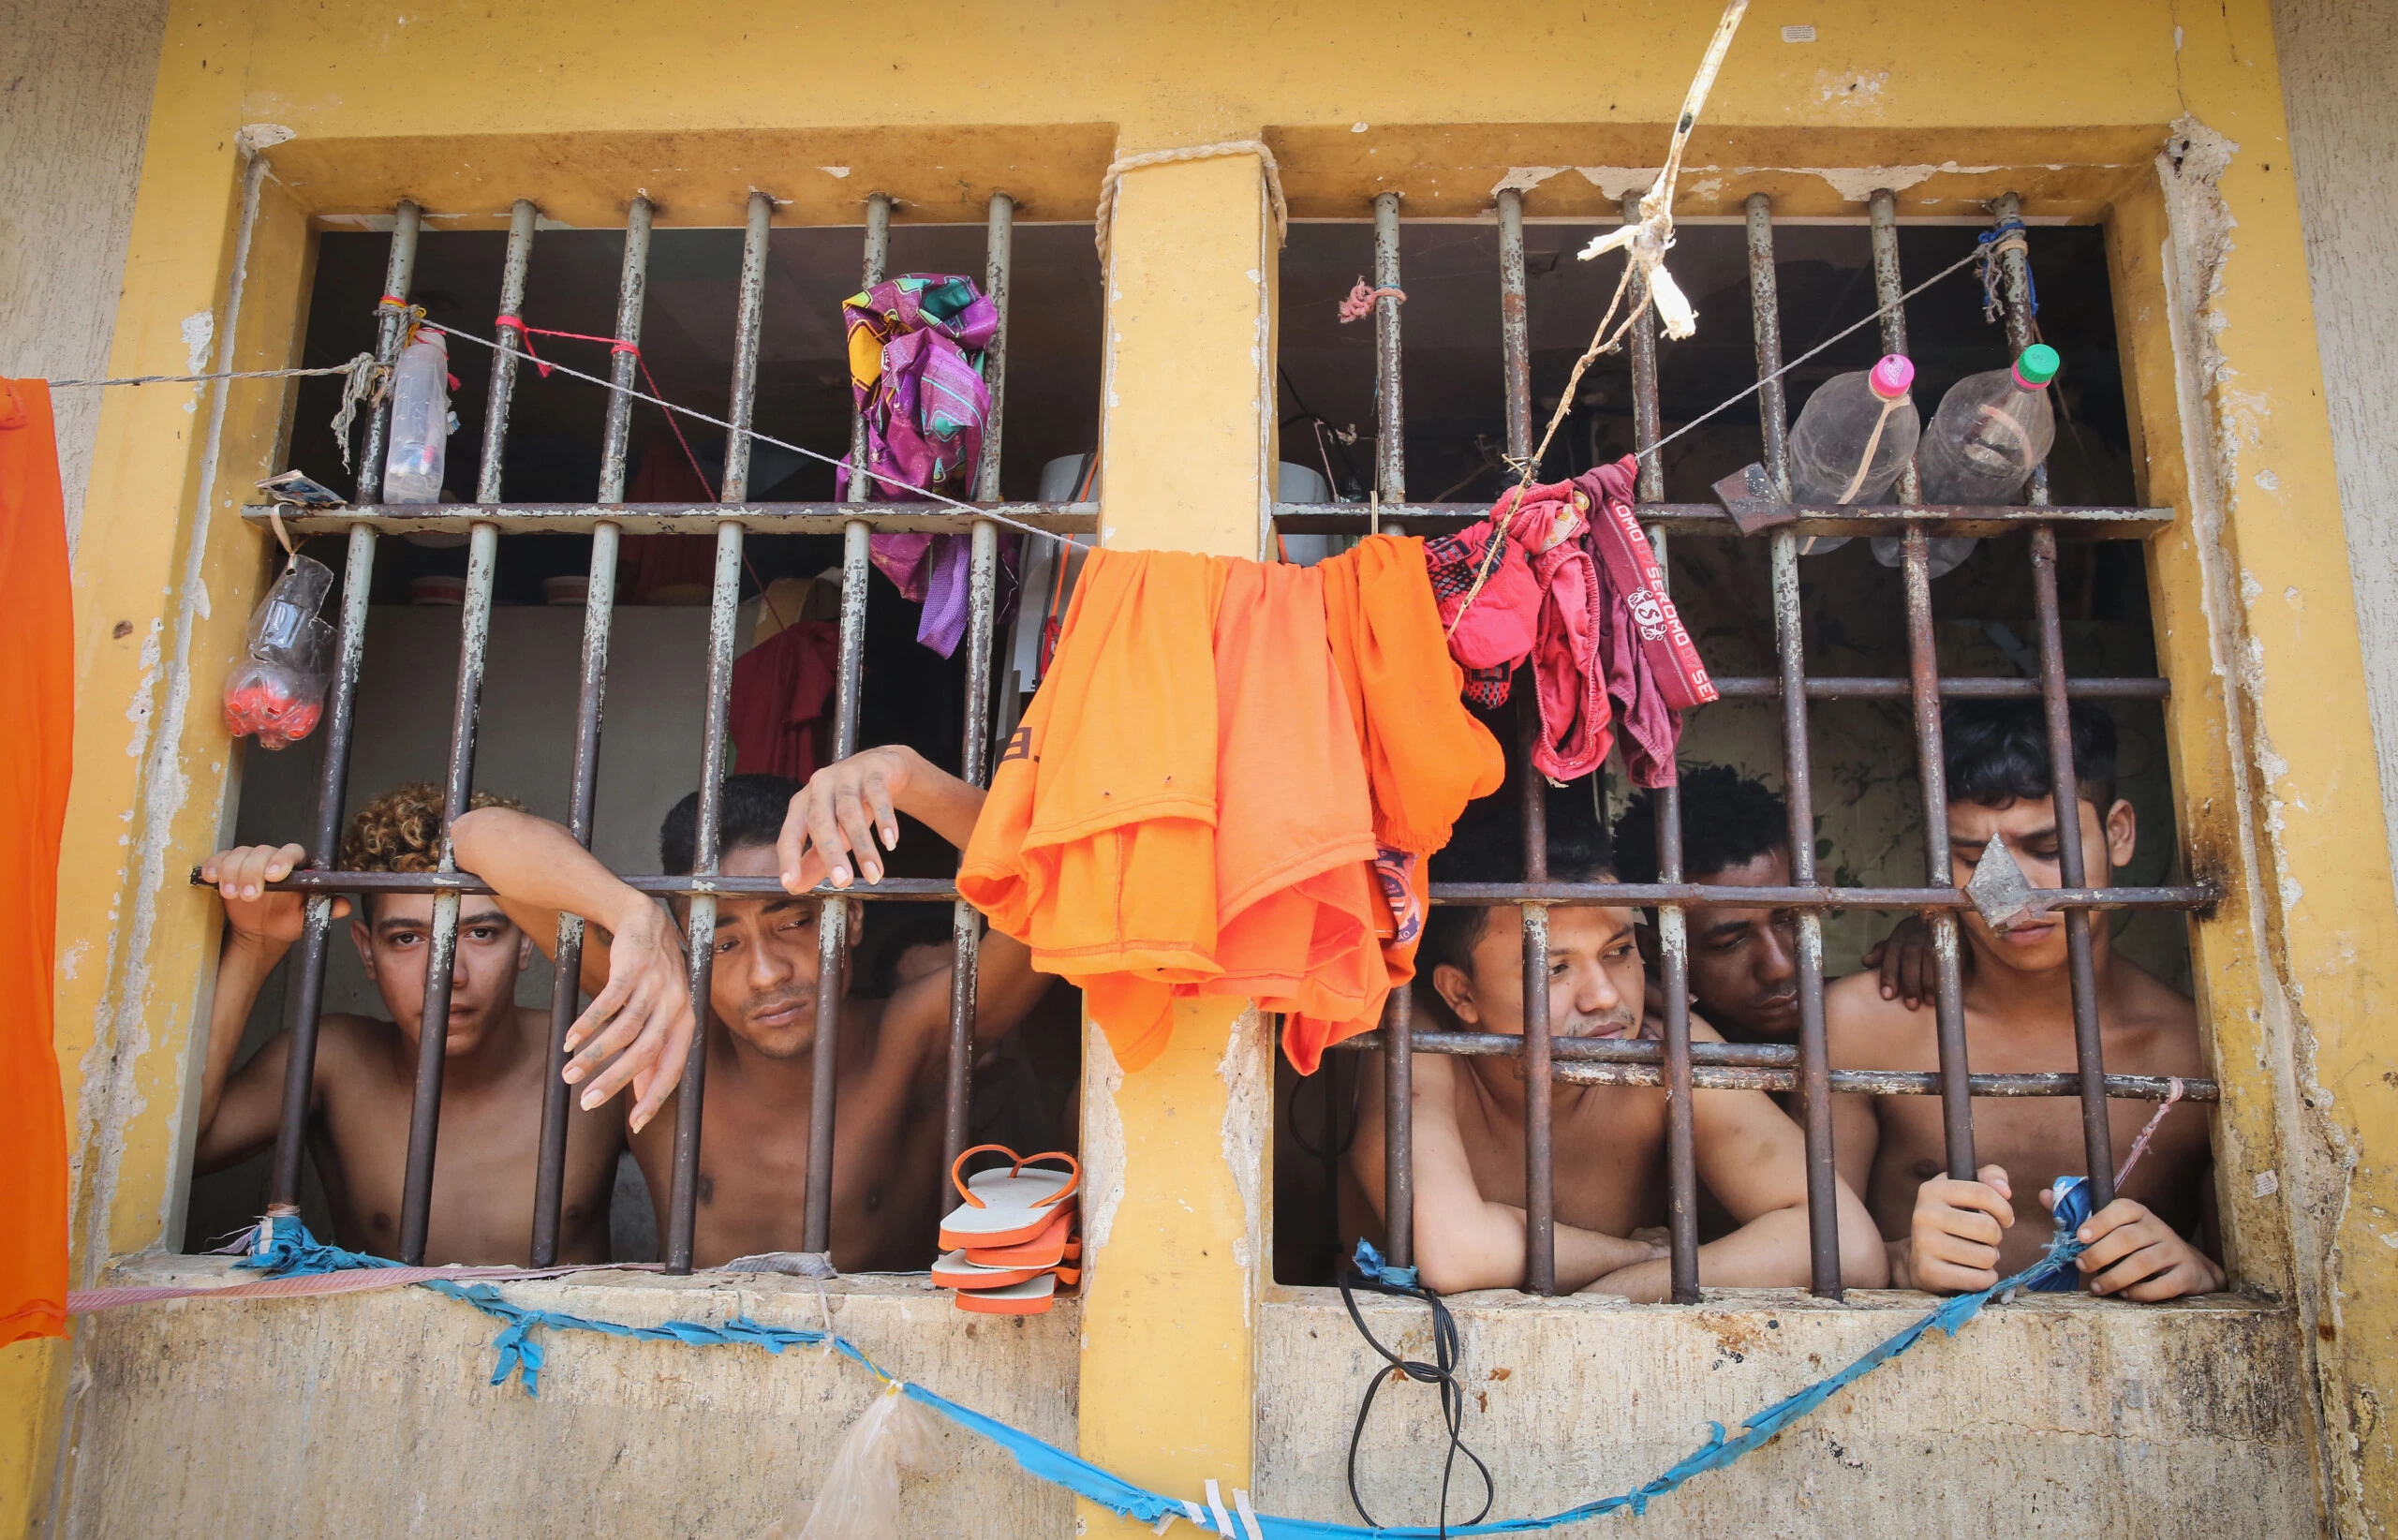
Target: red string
<point x="524" y="335"/>
<point x="615" y="345"/>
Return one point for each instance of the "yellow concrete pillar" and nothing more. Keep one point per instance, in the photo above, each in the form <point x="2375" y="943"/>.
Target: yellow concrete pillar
<point x="1174" y="1215"/>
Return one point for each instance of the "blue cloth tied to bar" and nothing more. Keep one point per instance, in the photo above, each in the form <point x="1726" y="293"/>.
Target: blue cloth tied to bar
<point x="285" y="1249"/>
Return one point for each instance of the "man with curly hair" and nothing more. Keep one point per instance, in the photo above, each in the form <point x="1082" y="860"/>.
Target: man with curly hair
<point x="365" y="1068"/>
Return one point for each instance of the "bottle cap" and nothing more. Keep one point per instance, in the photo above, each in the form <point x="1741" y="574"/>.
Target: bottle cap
<point x="1892" y="377"/>
<point x="2037" y="366"/>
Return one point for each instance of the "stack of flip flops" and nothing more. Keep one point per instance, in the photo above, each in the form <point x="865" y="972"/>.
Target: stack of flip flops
<point x="1014" y="1240"/>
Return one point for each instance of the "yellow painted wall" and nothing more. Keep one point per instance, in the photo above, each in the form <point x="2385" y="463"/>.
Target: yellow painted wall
<point x="466" y="106"/>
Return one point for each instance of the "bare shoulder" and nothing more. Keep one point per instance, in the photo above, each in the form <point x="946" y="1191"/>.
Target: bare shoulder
<point x="2159" y="1022"/>
<point x="348" y="1044"/>
<point x="1861" y="1028"/>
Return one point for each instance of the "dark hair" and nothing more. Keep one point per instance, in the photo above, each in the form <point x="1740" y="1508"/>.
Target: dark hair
<point x="1729" y="819"/>
<point x="750" y="812"/>
<point x="1488" y="847"/>
<point x="1996" y="752"/>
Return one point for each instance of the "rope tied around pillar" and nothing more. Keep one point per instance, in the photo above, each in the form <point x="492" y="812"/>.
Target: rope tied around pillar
<point x="1360" y="302"/>
<point x="2008" y="235"/>
<point x="1108" y="183"/>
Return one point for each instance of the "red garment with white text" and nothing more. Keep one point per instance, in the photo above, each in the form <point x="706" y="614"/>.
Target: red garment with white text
<point x="1651" y="666"/>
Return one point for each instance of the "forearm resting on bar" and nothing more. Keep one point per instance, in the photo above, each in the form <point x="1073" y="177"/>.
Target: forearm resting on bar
<point x="540" y="871"/>
<point x="1489" y="1251"/>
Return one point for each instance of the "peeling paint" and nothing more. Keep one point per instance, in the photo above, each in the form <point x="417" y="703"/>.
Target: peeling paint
<point x="1523" y="179"/>
<point x="199" y="340"/>
<point x="1616" y="180"/>
<point x="1246" y="1070"/>
<point x="1103" y="1141"/>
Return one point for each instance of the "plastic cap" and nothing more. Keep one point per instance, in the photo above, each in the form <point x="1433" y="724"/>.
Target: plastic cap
<point x="2037" y="366"/>
<point x="1892" y="377"/>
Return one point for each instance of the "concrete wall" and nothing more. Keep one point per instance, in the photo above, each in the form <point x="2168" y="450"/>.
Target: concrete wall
<point x="75" y="85"/>
<point x="2065" y="1417"/>
<point x="2340" y="77"/>
<point x="371" y="1415"/>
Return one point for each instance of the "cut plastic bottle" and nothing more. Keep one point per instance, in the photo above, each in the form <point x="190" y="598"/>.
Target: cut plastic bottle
<point x="1992" y="431"/>
<point x="1852" y="438"/>
<point x="419" y="438"/>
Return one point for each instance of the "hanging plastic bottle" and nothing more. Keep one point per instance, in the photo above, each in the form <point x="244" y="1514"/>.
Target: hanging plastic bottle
<point x="1991" y="430"/>
<point x="278" y="690"/>
<point x="414" y="465"/>
<point x="1852" y="438"/>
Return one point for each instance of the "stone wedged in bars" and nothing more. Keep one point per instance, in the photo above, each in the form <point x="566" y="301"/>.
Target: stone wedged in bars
<point x="1755" y="503"/>
<point x="2000" y="891"/>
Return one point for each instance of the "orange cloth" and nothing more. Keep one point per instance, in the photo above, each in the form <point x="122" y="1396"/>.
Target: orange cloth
<point x="36" y="701"/>
<point x="1184" y="811"/>
<point x="1426" y="755"/>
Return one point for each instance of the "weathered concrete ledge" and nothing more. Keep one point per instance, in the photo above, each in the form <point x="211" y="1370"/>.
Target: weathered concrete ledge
<point x="371" y="1415"/>
<point x="2063" y="1416"/>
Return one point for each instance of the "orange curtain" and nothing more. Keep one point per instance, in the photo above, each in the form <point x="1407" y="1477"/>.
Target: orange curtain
<point x="37" y="716"/>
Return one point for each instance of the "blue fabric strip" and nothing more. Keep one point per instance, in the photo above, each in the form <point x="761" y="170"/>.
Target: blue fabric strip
<point x="284" y="1249"/>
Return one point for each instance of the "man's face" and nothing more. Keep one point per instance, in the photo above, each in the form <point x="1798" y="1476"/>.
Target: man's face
<point x="395" y="942"/>
<point x="763" y="985"/>
<point x="1594" y="975"/>
<point x="1744" y="961"/>
<point x="2029" y="827"/>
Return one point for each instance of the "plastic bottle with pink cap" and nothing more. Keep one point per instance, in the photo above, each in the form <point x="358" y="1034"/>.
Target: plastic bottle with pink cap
<point x="1852" y="438"/>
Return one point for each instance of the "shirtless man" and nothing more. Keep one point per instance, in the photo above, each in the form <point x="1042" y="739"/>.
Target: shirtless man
<point x="1609" y="1142"/>
<point x="888" y="1188"/>
<point x="1958" y="1236"/>
<point x="366" y="1069"/>
<point x="1743" y="960"/>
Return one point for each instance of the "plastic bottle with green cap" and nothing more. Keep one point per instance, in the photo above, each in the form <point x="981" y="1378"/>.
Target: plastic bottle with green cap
<point x="1991" y="430"/>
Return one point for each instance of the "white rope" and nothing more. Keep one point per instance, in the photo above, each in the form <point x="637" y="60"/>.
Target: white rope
<point x="1105" y="218"/>
<point x="201" y="379"/>
<point x="1653" y="235"/>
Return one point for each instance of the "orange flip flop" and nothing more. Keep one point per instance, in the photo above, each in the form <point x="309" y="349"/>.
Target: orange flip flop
<point x="1030" y="1297"/>
<point x="955" y="1270"/>
<point x="1003" y="1208"/>
<point x="1045" y="1250"/>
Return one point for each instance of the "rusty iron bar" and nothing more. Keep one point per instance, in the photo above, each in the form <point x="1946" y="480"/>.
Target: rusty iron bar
<point x="1486" y="895"/>
<point x="981" y="601"/>
<point x="2080" y="961"/>
<point x="683" y="518"/>
<point x="399" y="271"/>
<point x="1540" y="1168"/>
<point x="624" y="363"/>
<point x="833" y="915"/>
<point x="2022" y="330"/>
<point x="1391" y="415"/>
<point x="2126" y="1087"/>
<point x="724" y="609"/>
<point x="1515" y="325"/>
<point x="522" y="220"/>
<point x="1673" y="936"/>
<point x="698" y="923"/>
<point x="599" y="618"/>
<point x="1925" y="694"/>
<point x="1836" y="687"/>
<point x="1398" y="1127"/>
<point x="1707" y="520"/>
<point x="1815" y="1086"/>
<point x="1578" y="1052"/>
<point x="308" y="993"/>
<point x="433" y="1027"/>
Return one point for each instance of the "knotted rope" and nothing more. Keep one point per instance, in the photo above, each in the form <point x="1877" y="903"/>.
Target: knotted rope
<point x="1105" y="218"/>
<point x="1360" y="302"/>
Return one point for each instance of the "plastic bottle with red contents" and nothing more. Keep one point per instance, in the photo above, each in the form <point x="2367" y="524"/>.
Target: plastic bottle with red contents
<point x="276" y="692"/>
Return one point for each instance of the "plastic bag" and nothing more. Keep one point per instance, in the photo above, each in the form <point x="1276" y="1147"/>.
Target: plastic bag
<point x="277" y="691"/>
<point x="860" y="1498"/>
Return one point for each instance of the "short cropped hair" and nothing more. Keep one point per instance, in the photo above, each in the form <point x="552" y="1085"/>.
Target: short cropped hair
<point x="1996" y="752"/>
<point x="1729" y="819"/>
<point x="401" y="831"/>
<point x="750" y="811"/>
<point x="1488" y="847"/>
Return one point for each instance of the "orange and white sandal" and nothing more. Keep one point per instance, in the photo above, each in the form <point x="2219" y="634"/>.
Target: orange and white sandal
<point x="1008" y="1208"/>
<point x="1032" y="1298"/>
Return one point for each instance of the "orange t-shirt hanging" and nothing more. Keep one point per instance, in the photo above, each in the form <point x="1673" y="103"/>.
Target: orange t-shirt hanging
<point x="36" y="701"/>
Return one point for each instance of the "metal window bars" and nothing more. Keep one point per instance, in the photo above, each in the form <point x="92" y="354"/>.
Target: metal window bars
<point x="605" y="521"/>
<point x="1676" y="1063"/>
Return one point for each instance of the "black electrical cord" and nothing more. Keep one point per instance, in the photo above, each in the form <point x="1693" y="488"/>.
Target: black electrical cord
<point x="1442" y="1371"/>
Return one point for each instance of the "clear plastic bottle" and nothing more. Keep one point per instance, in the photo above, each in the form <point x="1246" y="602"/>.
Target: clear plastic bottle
<point x="414" y="465"/>
<point x="1991" y="430"/>
<point x="1852" y="438"/>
